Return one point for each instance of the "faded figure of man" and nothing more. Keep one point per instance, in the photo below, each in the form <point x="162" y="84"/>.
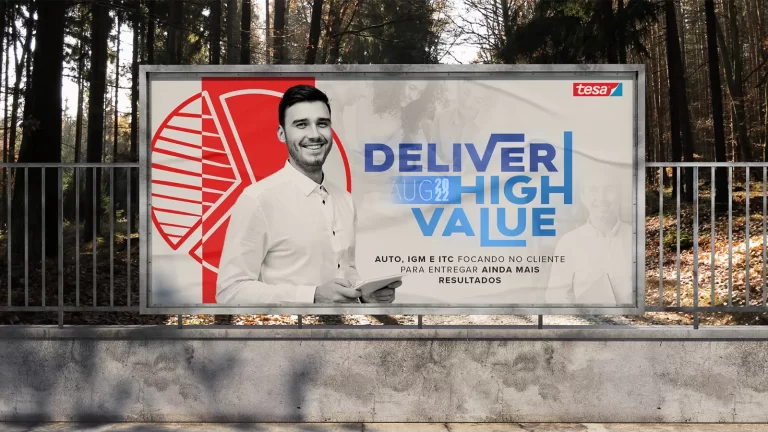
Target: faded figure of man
<point x="598" y="255"/>
<point x="460" y="121"/>
<point x="291" y="236"/>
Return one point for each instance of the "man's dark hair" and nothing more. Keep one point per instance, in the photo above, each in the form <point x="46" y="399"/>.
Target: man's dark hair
<point x="300" y="93"/>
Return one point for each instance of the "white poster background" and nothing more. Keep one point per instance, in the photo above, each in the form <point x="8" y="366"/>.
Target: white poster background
<point x="368" y="110"/>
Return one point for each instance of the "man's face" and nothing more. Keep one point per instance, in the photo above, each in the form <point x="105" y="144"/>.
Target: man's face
<point x="601" y="197"/>
<point x="307" y="133"/>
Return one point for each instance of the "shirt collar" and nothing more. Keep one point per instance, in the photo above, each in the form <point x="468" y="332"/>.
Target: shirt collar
<point x="610" y="234"/>
<point x="305" y="184"/>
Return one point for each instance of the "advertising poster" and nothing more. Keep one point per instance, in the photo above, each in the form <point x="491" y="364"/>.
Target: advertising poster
<point x="370" y="190"/>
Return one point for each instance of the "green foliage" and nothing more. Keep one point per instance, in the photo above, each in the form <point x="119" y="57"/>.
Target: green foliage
<point x="670" y="240"/>
<point x="580" y="31"/>
<point x="393" y="32"/>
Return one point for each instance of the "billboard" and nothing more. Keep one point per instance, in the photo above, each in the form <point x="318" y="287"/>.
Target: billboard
<point x="394" y="189"/>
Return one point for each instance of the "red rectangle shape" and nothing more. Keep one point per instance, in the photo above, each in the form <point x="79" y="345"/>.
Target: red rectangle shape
<point x="602" y="89"/>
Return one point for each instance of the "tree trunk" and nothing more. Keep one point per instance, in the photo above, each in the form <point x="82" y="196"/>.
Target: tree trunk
<point x="3" y="12"/>
<point x="174" y="30"/>
<point x="686" y="132"/>
<point x="507" y="29"/>
<point x="680" y="20"/>
<point x="279" y="33"/>
<point x="134" y="149"/>
<point x="6" y="171"/>
<point x="605" y="10"/>
<point x="216" y="32"/>
<point x="79" y="115"/>
<point x="232" y="28"/>
<point x="100" y="27"/>
<point x="314" y="32"/>
<point x="30" y="24"/>
<point x="116" y="134"/>
<point x="25" y="53"/>
<point x="151" y="30"/>
<point x="737" y="95"/>
<point x="245" y="34"/>
<point x="135" y="89"/>
<point x="678" y="106"/>
<point x="42" y="138"/>
<point x="721" y="182"/>
<point x="334" y="37"/>
<point x="267" y="36"/>
<point x="621" y="32"/>
<point x="326" y="38"/>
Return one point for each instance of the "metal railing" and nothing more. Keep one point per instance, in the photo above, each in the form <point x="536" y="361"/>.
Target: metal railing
<point x="25" y="263"/>
<point x="749" y="304"/>
<point x="116" y="249"/>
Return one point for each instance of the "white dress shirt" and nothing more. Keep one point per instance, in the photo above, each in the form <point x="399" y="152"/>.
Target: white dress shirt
<point x="597" y="268"/>
<point x="286" y="236"/>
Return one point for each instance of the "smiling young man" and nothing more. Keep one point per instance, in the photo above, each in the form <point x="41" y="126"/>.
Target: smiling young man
<point x="291" y="236"/>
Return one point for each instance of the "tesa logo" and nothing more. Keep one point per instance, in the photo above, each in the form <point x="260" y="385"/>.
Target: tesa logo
<point x="597" y="89"/>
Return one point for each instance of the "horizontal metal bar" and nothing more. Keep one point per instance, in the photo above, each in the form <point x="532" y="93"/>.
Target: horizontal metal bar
<point x="70" y="165"/>
<point x="163" y="71"/>
<point x="410" y="309"/>
<point x="705" y="309"/>
<point x="688" y="309"/>
<point x="704" y="164"/>
<point x="70" y="309"/>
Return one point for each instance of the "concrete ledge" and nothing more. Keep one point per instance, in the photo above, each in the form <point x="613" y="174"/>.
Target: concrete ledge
<point x="378" y="427"/>
<point x="371" y="375"/>
<point x="341" y="332"/>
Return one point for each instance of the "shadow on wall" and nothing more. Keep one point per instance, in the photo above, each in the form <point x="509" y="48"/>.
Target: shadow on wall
<point x="91" y="380"/>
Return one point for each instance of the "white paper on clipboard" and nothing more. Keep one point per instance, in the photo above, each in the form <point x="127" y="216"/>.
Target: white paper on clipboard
<point x="372" y="285"/>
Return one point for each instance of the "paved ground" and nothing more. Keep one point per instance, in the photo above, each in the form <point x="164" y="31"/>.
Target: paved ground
<point x="378" y="427"/>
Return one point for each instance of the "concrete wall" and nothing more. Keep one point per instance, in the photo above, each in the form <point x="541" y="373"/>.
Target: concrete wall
<point x="384" y="375"/>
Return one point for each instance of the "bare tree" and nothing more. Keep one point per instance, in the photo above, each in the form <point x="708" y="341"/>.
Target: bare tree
<point x="721" y="185"/>
<point x="100" y="28"/>
<point x="245" y="33"/>
<point x="682" y="135"/>
<point x="314" y="31"/>
<point x="233" y="26"/>
<point x="215" y="32"/>
<point x="41" y="141"/>
<point x="278" y="55"/>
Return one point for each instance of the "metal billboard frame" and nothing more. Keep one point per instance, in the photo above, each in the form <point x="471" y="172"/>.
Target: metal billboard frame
<point x="636" y="73"/>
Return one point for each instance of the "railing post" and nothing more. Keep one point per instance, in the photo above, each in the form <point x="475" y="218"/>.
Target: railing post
<point x="60" y="223"/>
<point x="696" y="247"/>
<point x="9" y="233"/>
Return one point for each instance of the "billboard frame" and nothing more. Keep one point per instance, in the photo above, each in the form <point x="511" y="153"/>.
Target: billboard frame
<point x="634" y="72"/>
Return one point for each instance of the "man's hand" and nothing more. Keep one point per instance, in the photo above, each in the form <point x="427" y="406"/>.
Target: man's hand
<point x="383" y="295"/>
<point x="336" y="291"/>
